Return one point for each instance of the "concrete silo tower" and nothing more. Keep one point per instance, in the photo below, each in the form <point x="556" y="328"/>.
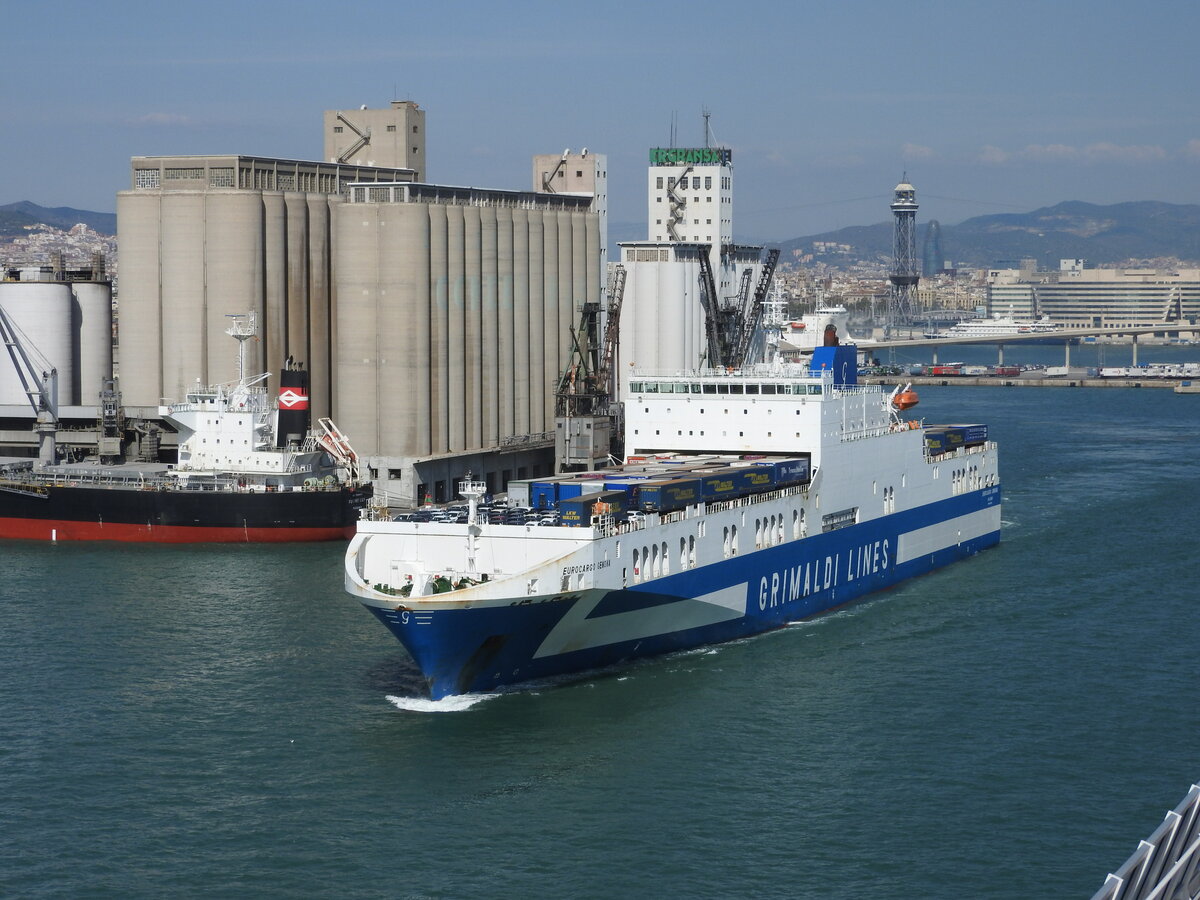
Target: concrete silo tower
<point x="904" y="275"/>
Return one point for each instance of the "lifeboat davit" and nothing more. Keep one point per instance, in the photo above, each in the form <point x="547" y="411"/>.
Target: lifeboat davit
<point x="905" y="399"/>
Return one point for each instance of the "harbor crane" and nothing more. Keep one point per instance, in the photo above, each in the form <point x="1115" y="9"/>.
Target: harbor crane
<point x="39" y="381"/>
<point x="587" y="423"/>
<point x="730" y="327"/>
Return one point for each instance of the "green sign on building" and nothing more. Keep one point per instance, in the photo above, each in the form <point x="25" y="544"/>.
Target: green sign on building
<point x="690" y="156"/>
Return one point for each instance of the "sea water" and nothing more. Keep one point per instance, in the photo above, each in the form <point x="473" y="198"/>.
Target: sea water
<point x="225" y="721"/>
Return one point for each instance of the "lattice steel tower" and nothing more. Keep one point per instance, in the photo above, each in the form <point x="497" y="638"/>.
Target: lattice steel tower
<point x="904" y="275"/>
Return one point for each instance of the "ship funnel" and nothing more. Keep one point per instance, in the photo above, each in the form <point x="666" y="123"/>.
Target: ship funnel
<point x="294" y="417"/>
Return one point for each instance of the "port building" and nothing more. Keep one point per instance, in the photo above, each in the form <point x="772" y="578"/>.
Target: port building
<point x="1077" y="296"/>
<point x="435" y="320"/>
<point x="690" y="196"/>
<point x="689" y="216"/>
<point x="392" y="138"/>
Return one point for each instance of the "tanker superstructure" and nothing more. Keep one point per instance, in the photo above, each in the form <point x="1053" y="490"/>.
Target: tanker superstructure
<point x="747" y="500"/>
<point x="249" y="469"/>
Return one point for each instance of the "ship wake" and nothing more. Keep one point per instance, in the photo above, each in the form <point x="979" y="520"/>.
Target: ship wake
<point x="453" y="703"/>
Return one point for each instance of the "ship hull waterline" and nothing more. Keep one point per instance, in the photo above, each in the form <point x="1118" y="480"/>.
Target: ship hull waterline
<point x="173" y="517"/>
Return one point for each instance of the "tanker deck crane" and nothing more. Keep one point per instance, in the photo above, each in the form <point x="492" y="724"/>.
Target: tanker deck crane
<point x="39" y="381"/>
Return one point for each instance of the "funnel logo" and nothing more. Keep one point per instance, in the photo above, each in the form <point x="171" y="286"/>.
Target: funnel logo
<point x="291" y="399"/>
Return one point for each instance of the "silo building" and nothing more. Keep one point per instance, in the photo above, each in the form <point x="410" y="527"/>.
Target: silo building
<point x="689" y="216"/>
<point x="435" y="321"/>
<point x="203" y="238"/>
<point x="453" y="327"/>
<point x="63" y="317"/>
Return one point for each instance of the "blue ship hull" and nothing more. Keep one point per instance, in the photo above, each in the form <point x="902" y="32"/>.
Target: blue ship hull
<point x="488" y="646"/>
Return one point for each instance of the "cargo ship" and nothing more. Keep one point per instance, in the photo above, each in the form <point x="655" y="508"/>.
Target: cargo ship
<point x="249" y="469"/>
<point x="747" y="500"/>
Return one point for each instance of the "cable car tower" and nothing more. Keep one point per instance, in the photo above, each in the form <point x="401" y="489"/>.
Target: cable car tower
<point x="904" y="276"/>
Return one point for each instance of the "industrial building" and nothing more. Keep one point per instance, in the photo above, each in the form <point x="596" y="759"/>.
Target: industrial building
<point x="453" y="328"/>
<point x="663" y="319"/>
<point x="392" y="138"/>
<point x="582" y="173"/>
<point x="690" y="201"/>
<point x="65" y="317"/>
<point x="665" y="312"/>
<point x="1077" y="296"/>
<point x="206" y="237"/>
<point x="62" y="319"/>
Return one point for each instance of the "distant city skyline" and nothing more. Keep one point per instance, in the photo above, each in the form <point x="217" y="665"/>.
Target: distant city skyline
<point x="988" y="110"/>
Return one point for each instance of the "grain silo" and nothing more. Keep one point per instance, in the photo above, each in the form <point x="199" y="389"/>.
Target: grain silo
<point x="93" y="323"/>
<point x="453" y="326"/>
<point x="65" y="323"/>
<point x="207" y="237"/>
<point x="41" y="314"/>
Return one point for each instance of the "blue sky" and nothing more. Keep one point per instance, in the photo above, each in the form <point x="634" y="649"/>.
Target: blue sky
<point x="990" y="107"/>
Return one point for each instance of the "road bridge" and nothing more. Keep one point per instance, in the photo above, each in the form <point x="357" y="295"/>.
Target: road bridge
<point x="1066" y="336"/>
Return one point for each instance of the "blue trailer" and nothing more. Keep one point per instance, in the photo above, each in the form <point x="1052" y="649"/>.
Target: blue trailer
<point x="669" y="496"/>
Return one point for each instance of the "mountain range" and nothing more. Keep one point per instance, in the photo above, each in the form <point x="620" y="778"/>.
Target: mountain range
<point x="1071" y="230"/>
<point x="16" y="216"/>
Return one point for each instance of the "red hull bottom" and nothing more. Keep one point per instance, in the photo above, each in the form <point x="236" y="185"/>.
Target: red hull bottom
<point x="58" y="530"/>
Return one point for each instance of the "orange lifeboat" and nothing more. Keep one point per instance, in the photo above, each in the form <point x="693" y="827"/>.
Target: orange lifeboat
<point x="905" y="399"/>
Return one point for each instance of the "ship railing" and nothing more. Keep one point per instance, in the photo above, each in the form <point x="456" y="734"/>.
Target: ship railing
<point x="651" y="519"/>
<point x="959" y="451"/>
<point x="156" y="481"/>
<point x="715" y="506"/>
<point x="379" y="507"/>
<point x="94" y="479"/>
<point x="871" y="431"/>
<point x="22" y="486"/>
<point x="202" y="397"/>
<point x="1167" y="864"/>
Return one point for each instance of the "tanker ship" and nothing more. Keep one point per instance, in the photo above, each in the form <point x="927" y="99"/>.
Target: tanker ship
<point x="249" y="469"/>
<point x="747" y="500"/>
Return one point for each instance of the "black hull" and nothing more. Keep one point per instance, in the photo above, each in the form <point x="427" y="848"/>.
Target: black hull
<point x="64" y="512"/>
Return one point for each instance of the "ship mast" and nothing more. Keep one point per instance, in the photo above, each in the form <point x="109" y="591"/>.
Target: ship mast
<point x="472" y="491"/>
<point x="243" y="327"/>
